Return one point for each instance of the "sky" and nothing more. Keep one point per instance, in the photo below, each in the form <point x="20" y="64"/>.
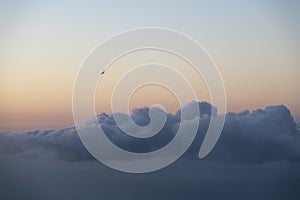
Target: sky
<point x="255" y="44"/>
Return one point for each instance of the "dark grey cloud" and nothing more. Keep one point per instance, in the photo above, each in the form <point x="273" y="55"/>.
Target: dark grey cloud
<point x="262" y="135"/>
<point x="257" y="157"/>
<point x="35" y="179"/>
<point x="44" y="144"/>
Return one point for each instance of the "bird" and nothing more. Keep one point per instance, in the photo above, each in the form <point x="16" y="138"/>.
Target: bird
<point x="102" y="72"/>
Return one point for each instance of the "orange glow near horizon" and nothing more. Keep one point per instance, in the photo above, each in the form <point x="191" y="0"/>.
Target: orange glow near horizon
<point x="33" y="98"/>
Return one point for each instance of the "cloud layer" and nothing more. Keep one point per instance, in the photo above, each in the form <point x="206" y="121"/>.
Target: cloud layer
<point x="256" y="157"/>
<point x="262" y="135"/>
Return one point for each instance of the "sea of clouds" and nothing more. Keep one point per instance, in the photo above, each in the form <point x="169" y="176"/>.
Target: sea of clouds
<point x="256" y="157"/>
<point x="262" y="135"/>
